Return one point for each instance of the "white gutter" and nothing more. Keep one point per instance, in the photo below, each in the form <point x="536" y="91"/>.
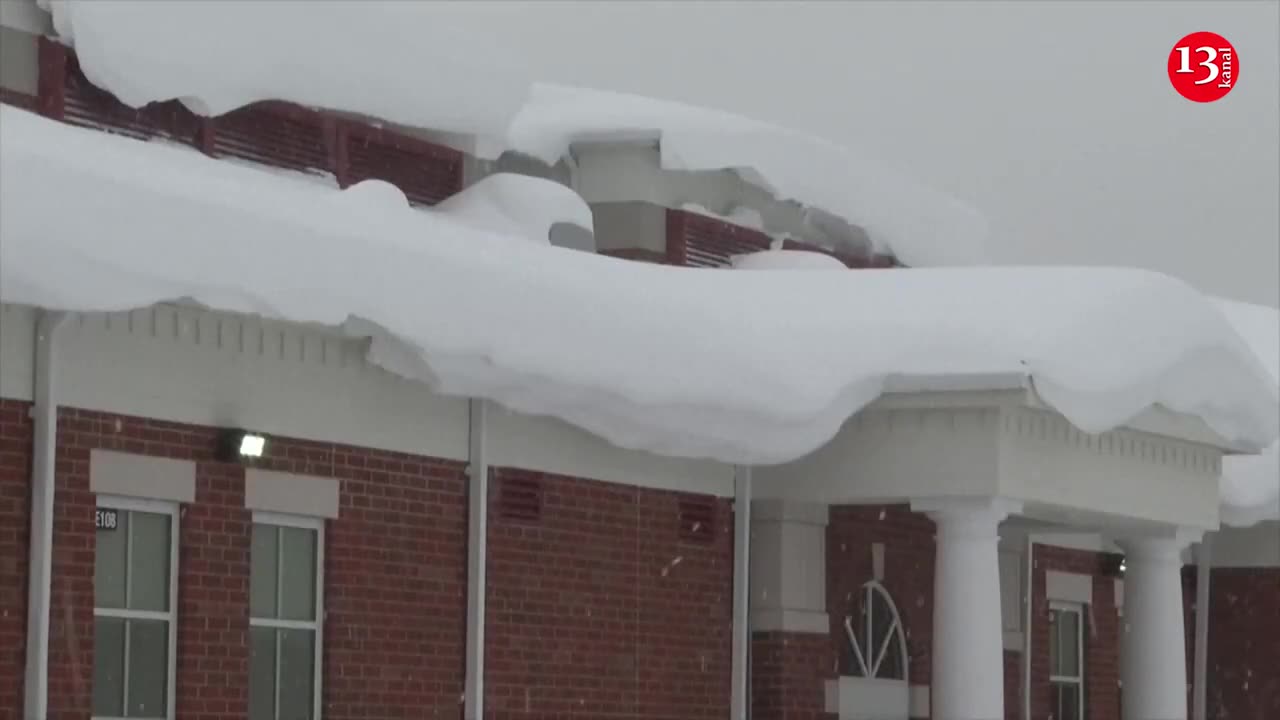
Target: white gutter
<point x="740" y="688"/>
<point x="1200" y="673"/>
<point x="44" y="413"/>
<point x="477" y="555"/>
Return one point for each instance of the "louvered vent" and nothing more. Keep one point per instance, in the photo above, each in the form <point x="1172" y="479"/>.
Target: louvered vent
<point x="698" y="519"/>
<point x="520" y="497"/>
<point x="17" y="99"/>
<point x="275" y="134"/>
<point x="709" y="242"/>
<point x="89" y="106"/>
<point x="425" y="173"/>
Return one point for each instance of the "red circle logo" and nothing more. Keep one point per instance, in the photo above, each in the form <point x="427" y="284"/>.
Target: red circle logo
<point x="1203" y="67"/>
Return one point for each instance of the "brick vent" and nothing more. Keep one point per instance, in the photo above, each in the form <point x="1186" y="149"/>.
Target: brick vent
<point x="698" y="519"/>
<point x="272" y="133"/>
<point x="519" y="495"/>
<point x="696" y="240"/>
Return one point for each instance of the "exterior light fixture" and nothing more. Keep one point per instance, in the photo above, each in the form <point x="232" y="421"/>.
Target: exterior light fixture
<point x="240" y="445"/>
<point x="1113" y="565"/>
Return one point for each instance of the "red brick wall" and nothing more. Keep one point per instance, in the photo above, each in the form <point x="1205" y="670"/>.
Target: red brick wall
<point x="395" y="574"/>
<point x="1244" y="644"/>
<point x="788" y="671"/>
<point x="1101" y="639"/>
<point x="1012" y="685"/>
<point x="598" y="608"/>
<point x="15" y="523"/>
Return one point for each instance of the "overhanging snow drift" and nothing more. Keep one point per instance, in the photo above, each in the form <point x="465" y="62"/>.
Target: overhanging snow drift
<point x="415" y="68"/>
<point x="742" y="367"/>
<point x="1251" y="483"/>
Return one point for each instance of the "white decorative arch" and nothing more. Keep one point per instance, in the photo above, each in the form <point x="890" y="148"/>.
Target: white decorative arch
<point x="878" y="641"/>
<point x="878" y="689"/>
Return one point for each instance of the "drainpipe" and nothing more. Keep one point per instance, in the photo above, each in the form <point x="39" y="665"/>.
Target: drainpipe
<point x="740" y="693"/>
<point x="44" y="414"/>
<point x="477" y="560"/>
<point x="1200" y="677"/>
<point x="1028" y="586"/>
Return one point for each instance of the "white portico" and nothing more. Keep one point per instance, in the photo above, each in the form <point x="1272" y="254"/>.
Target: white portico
<point x="971" y="456"/>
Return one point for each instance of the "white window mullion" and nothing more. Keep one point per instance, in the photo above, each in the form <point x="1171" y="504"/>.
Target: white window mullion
<point x="283" y="624"/>
<point x="318" y="636"/>
<point x="171" y="622"/>
<point x="128" y="602"/>
<point x="124" y="670"/>
<point x="279" y="635"/>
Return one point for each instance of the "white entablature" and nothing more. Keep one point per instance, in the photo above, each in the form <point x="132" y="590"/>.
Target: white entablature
<point x="1160" y="469"/>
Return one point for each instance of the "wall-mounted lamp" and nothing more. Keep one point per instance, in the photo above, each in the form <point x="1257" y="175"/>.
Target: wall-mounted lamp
<point x="1113" y="565"/>
<point x="239" y="445"/>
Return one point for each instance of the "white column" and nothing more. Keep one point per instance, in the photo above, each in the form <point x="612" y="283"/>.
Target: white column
<point x="968" y="639"/>
<point x="1153" y="659"/>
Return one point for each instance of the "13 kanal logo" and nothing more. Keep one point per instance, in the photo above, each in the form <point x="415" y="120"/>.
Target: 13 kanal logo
<point x="1203" y="67"/>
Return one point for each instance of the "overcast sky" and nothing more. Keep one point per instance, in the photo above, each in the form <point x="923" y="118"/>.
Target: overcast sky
<point x="1056" y="119"/>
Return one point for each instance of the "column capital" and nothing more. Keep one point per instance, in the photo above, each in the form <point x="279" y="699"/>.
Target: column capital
<point x="1169" y="543"/>
<point x="974" y="512"/>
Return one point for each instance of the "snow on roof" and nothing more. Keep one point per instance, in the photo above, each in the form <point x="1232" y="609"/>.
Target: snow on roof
<point x="516" y="206"/>
<point x="417" y="70"/>
<point x="1251" y="483"/>
<point x="743" y="367"/>
<point x="787" y="260"/>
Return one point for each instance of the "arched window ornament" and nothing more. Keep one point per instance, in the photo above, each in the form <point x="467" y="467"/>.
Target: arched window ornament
<point x="877" y="640"/>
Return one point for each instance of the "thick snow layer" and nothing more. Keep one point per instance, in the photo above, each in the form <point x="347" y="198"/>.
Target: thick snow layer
<point x="518" y="206"/>
<point x="787" y="260"/>
<point x="734" y="366"/>
<point x="746" y="217"/>
<point x="1251" y="483"/>
<point x="416" y="70"/>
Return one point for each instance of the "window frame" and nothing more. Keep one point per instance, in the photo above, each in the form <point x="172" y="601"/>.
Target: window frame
<point x="304" y="522"/>
<point x="1078" y="680"/>
<point x="896" y="634"/>
<point x="157" y="507"/>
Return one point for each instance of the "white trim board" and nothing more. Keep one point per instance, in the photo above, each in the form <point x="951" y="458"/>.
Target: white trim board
<point x="1069" y="587"/>
<point x="142" y="476"/>
<point x="278" y="492"/>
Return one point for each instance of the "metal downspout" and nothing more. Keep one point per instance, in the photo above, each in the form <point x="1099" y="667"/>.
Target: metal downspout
<point x="740" y="693"/>
<point x="44" y="414"/>
<point x="1028" y="616"/>
<point x="1200" y="677"/>
<point x="477" y="561"/>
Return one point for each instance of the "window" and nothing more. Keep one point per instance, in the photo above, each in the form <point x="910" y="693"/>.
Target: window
<point x="135" y="562"/>
<point x="877" y="646"/>
<point x="1066" y="661"/>
<point x="285" y="617"/>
